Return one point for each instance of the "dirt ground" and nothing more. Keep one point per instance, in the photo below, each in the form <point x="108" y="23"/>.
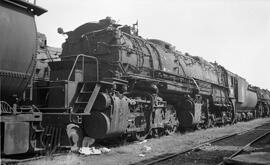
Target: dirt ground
<point x="136" y="152"/>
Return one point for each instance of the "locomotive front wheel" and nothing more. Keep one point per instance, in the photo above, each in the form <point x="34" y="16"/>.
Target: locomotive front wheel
<point x="156" y="132"/>
<point x="197" y="127"/>
<point x="210" y="123"/>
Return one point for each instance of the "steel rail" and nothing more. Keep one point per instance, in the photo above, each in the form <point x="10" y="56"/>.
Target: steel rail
<point x="13" y="161"/>
<point x="187" y="150"/>
<point x="246" y="146"/>
<point x="167" y="157"/>
<point x="173" y="155"/>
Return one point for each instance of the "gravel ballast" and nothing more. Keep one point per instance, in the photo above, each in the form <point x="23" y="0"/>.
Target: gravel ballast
<point x="136" y="152"/>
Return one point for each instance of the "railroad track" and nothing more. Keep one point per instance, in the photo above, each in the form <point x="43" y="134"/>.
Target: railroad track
<point x="230" y="160"/>
<point x="162" y="158"/>
<point x="157" y="160"/>
<point x="253" y="135"/>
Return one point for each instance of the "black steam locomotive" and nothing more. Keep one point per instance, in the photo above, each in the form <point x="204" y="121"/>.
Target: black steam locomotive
<point x="110" y="82"/>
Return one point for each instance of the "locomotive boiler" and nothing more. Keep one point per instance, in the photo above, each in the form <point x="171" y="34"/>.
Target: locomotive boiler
<point x="17" y="56"/>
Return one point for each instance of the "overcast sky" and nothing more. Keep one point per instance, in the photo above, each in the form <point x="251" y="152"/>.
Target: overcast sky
<point x="234" y="33"/>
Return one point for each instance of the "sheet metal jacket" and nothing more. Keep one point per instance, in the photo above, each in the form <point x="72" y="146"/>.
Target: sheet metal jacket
<point x="18" y="38"/>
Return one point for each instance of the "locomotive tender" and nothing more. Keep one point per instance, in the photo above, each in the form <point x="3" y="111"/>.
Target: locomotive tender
<point x="111" y="82"/>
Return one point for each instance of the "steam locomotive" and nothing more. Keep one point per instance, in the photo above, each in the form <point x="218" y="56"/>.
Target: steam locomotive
<point x="109" y="82"/>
